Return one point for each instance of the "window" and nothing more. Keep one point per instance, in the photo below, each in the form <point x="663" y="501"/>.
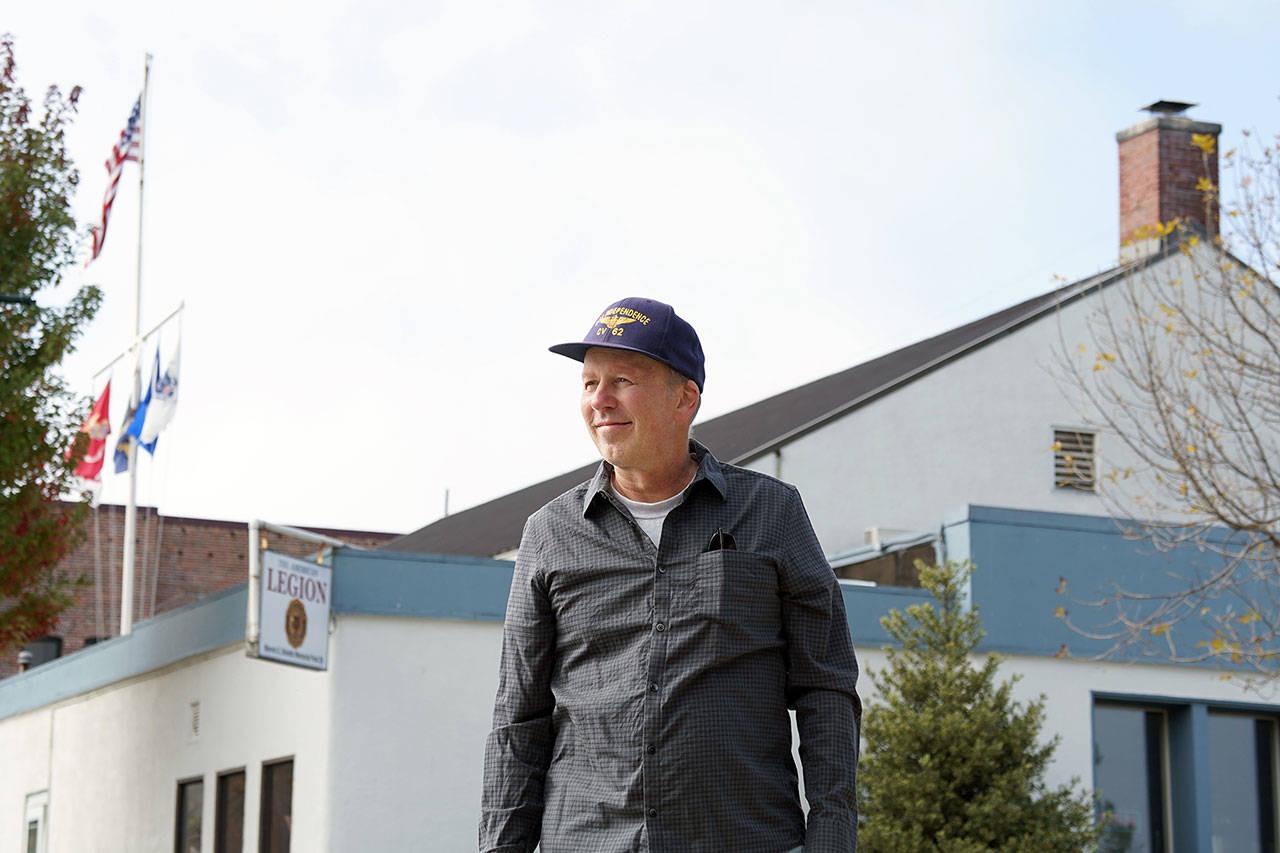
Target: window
<point x="276" y="816"/>
<point x="228" y="831"/>
<point x="1242" y="786"/>
<point x="1074" y="459"/>
<point x="190" y="809"/>
<point x="1129" y="771"/>
<point x="44" y="650"/>
<point x="35" y="822"/>
<point x="894" y="567"/>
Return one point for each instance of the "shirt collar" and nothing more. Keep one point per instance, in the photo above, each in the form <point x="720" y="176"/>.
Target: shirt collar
<point x="708" y="470"/>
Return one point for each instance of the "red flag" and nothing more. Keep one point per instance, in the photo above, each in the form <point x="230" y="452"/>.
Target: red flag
<point x="98" y="428"/>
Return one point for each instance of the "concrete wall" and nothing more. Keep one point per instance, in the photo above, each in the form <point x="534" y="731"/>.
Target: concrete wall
<point x="412" y="703"/>
<point x="112" y="758"/>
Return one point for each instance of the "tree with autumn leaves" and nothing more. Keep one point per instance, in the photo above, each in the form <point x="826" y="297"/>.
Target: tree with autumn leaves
<point x="39" y="416"/>
<point x="1182" y="369"/>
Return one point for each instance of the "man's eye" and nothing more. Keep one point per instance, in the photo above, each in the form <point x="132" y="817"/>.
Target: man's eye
<point x="590" y="383"/>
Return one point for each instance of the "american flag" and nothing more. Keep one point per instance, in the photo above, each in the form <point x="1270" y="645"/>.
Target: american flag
<point x="128" y="148"/>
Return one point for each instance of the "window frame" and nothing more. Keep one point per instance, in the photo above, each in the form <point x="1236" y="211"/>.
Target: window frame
<point x="220" y="839"/>
<point x="178" y="836"/>
<point x="1273" y="783"/>
<point x="264" y="798"/>
<point x="36" y="809"/>
<point x="1166" y="764"/>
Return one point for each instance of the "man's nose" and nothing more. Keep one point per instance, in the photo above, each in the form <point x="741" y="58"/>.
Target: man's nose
<point x="601" y="398"/>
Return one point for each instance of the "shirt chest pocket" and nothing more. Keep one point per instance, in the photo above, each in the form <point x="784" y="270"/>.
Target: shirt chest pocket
<point x="738" y="589"/>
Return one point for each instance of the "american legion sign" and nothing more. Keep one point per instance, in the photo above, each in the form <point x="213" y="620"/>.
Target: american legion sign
<point x="294" y="611"/>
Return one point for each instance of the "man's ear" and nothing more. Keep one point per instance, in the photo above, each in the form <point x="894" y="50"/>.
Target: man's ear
<point x="690" y="397"/>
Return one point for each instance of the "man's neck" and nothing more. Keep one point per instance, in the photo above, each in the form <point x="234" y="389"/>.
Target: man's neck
<point x="651" y="486"/>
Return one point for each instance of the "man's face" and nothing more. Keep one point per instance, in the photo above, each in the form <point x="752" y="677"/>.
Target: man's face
<point x="636" y="410"/>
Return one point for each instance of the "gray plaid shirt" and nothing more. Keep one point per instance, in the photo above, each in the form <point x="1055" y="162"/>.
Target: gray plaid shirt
<point x="643" y="692"/>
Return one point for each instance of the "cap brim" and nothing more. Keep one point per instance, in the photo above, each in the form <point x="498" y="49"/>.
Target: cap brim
<point x="578" y="351"/>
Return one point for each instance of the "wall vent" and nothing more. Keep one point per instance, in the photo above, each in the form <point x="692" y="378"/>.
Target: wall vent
<point x="1075" y="463"/>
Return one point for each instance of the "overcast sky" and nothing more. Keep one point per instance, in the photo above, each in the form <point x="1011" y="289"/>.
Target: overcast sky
<point x="379" y="215"/>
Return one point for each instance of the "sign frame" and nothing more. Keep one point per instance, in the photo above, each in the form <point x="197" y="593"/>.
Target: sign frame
<point x="294" y="605"/>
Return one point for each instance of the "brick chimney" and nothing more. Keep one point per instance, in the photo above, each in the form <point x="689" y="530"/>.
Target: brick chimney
<point x="1159" y="169"/>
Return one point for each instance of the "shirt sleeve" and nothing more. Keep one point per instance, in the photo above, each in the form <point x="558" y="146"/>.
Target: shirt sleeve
<point x="518" y="749"/>
<point x="822" y="676"/>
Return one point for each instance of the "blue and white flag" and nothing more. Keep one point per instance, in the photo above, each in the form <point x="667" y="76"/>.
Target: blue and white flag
<point x="135" y="417"/>
<point x="164" y="398"/>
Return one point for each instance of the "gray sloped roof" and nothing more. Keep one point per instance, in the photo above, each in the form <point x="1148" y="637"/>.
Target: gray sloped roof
<point x="744" y="434"/>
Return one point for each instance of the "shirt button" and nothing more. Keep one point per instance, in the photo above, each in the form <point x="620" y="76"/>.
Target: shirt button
<point x="652" y="749"/>
<point x="662" y="570"/>
<point x="660" y="627"/>
<point x="653" y="812"/>
<point x="653" y="687"/>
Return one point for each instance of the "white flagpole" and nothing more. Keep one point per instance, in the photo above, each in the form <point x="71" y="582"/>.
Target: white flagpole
<point x="131" y="508"/>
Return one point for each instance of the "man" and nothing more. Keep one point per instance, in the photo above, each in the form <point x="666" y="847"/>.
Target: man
<point x="663" y="617"/>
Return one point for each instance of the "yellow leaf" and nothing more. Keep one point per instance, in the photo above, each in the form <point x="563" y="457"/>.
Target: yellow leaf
<point x="1246" y="618"/>
<point x="1060" y="612"/>
<point x="1191" y="373"/>
<point x="1191" y="448"/>
<point x="1204" y="141"/>
<point x="1161" y="628"/>
<point x="1204" y="185"/>
<point x="1057" y="445"/>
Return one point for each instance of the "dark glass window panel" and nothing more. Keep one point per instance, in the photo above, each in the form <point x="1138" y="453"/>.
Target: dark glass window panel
<point x="33" y="836"/>
<point x="44" y="650"/>
<point x="190" y="808"/>
<point x="1129" y="772"/>
<point x="1265" y="731"/>
<point x="228" y="834"/>
<point x="1242" y="784"/>
<point x="276" y="819"/>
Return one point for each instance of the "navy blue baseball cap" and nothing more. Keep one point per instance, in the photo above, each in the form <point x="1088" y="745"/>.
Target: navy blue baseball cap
<point x="648" y="327"/>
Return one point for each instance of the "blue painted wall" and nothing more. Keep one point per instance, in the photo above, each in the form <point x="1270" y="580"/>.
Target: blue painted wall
<point x="1024" y="557"/>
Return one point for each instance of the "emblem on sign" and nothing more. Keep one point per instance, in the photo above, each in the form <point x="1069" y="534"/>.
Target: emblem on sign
<point x="295" y="623"/>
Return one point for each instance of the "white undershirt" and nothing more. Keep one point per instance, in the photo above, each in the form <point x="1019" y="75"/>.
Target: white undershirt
<point x="651" y="517"/>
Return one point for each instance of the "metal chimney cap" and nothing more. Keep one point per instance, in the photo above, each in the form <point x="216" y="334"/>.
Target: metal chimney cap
<point x="1168" y="108"/>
